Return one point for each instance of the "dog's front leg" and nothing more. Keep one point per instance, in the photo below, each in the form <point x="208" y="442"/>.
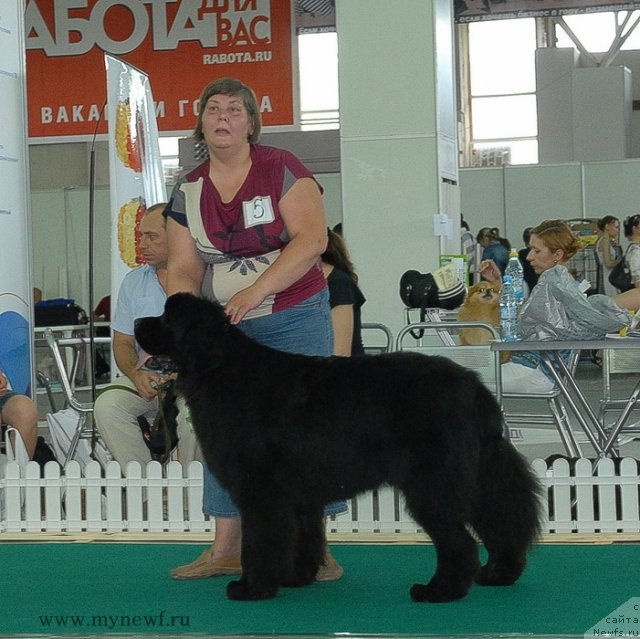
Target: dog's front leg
<point x="266" y="552"/>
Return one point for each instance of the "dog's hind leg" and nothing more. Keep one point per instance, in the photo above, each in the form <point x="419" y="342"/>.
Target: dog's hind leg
<point x="506" y="512"/>
<point x="309" y="544"/>
<point x="456" y="551"/>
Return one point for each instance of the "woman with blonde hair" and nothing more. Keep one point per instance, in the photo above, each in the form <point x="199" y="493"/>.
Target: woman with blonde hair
<point x="556" y="308"/>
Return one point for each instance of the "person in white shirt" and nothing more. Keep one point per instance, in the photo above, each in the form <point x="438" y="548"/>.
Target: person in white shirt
<point x="118" y="407"/>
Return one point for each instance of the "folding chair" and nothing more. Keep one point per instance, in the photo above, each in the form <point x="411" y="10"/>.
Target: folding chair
<point x="487" y="364"/>
<point x="619" y="362"/>
<point x="441" y="338"/>
<point x="373" y="333"/>
<point x="67" y="369"/>
<point x="557" y="414"/>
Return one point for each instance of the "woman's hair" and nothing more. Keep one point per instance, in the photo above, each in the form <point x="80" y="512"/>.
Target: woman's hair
<point x="337" y="255"/>
<point x="557" y="234"/>
<point x="494" y="235"/>
<point x="235" y="88"/>
<point x="629" y="223"/>
<point x="607" y="219"/>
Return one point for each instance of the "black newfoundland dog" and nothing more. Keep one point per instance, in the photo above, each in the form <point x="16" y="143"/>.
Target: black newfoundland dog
<point x="286" y="434"/>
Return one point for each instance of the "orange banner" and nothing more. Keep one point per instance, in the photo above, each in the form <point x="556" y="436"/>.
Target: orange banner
<point x="182" y="45"/>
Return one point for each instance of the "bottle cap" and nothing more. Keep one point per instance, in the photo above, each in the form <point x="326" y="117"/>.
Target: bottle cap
<point x="513" y="253"/>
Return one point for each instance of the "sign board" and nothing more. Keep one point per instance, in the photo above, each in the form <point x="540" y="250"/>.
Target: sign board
<point x="476" y="10"/>
<point x="182" y="45"/>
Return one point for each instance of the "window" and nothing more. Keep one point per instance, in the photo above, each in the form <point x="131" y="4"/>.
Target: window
<point x="596" y="31"/>
<point x="318" y="73"/>
<point x="502" y="78"/>
<point x="169" y="153"/>
<point x="502" y="87"/>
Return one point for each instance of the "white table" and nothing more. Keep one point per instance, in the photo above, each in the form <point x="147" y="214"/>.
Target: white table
<point x="601" y="437"/>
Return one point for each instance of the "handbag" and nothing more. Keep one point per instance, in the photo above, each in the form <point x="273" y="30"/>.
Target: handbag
<point x="418" y="290"/>
<point x="442" y="289"/>
<point x="620" y="276"/>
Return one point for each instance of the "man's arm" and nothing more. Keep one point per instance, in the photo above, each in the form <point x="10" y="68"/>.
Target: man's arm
<point x="124" y="352"/>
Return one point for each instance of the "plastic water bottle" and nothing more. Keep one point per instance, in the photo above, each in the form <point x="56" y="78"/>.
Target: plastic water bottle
<point x="508" y="311"/>
<point x="514" y="268"/>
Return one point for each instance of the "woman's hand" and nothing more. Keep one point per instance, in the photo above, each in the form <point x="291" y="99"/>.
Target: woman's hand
<point x="490" y="272"/>
<point x="242" y="302"/>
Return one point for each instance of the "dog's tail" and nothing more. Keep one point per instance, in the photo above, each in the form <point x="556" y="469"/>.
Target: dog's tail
<point x="507" y="513"/>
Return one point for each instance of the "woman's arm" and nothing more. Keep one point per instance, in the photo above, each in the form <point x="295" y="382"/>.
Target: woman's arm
<point x="185" y="269"/>
<point x="303" y="213"/>
<point x="629" y="299"/>
<point x="633" y="261"/>
<point x="604" y="248"/>
<point x="342" y="321"/>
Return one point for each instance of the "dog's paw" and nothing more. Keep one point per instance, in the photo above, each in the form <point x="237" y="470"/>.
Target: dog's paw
<point x="438" y="592"/>
<point x="241" y="590"/>
<point x="298" y="581"/>
<point x="500" y="573"/>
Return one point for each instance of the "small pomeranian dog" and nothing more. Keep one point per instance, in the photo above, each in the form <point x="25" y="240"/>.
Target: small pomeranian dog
<point x="482" y="304"/>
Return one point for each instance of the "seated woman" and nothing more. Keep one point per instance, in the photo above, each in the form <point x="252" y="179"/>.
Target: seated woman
<point x="345" y="297"/>
<point x="493" y="247"/>
<point x="556" y="306"/>
<point x="20" y="412"/>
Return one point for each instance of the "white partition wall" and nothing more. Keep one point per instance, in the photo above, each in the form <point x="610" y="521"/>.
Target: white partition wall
<point x="514" y="197"/>
<point x="601" y="113"/>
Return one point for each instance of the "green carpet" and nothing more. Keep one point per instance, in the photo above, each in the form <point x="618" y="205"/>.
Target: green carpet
<point x="125" y="588"/>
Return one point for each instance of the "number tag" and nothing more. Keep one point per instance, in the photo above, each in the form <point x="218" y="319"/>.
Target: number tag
<point x="258" y="211"/>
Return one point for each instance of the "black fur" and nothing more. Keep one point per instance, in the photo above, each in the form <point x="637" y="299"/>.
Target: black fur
<point x="286" y="434"/>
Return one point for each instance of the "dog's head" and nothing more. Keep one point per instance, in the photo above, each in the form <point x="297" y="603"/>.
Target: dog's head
<point x="483" y="293"/>
<point x="190" y="331"/>
<point x="482" y="304"/>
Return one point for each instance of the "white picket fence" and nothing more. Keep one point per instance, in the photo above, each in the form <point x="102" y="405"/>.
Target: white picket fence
<point x="592" y="498"/>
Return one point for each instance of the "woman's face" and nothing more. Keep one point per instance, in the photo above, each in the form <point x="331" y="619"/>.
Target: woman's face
<point x="541" y="257"/>
<point x="612" y="229"/>
<point x="484" y="239"/>
<point x="225" y="121"/>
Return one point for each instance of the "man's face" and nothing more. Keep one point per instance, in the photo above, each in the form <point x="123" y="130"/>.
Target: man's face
<point x="153" y="238"/>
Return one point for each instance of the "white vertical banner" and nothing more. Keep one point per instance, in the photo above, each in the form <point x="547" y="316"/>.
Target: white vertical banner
<point x="135" y="166"/>
<point x="16" y="297"/>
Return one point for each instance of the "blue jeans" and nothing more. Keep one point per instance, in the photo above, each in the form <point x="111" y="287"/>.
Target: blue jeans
<point x="304" y="329"/>
<point x="5" y="398"/>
